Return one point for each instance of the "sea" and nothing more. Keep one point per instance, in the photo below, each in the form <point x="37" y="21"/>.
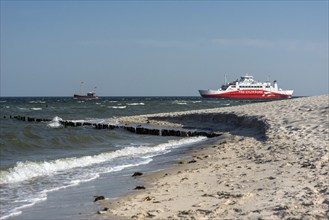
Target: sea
<point x="48" y="171"/>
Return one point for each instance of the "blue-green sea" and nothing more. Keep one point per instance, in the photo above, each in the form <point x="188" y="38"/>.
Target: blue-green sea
<point x="39" y="158"/>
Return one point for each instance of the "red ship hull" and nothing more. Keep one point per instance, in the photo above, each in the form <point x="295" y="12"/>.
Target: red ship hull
<point x="247" y="94"/>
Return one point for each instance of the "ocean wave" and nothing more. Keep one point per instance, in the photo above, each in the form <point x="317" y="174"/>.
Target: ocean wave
<point x="118" y="107"/>
<point x="23" y="195"/>
<point x="55" y="123"/>
<point x="180" y="102"/>
<point x="11" y="214"/>
<point x="137" y="103"/>
<point x="37" y="102"/>
<point x="30" y="169"/>
<point x="28" y="203"/>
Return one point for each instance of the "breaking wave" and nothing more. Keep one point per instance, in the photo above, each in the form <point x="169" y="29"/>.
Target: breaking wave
<point x="28" y="183"/>
<point x="30" y="169"/>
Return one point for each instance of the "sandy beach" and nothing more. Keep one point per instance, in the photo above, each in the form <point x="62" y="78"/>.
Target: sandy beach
<point x="273" y="164"/>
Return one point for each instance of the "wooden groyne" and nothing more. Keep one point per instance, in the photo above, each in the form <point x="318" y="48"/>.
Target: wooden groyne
<point x="134" y="128"/>
<point x="29" y="119"/>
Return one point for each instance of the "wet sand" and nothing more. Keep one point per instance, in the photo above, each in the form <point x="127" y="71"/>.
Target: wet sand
<point x="273" y="165"/>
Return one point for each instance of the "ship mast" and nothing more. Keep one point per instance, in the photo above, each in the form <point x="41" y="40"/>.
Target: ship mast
<point x="81" y="88"/>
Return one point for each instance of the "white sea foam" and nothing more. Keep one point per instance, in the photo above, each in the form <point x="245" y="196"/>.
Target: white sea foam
<point x="38" y="101"/>
<point x="93" y="120"/>
<point x="118" y="107"/>
<point x="139" y="103"/>
<point x="36" y="109"/>
<point x="11" y="214"/>
<point x="29" y="202"/>
<point x="29" y="196"/>
<point x="177" y="102"/>
<point x="30" y="169"/>
<point x="56" y="122"/>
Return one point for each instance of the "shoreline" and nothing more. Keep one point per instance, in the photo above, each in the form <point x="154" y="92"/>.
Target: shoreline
<point x="276" y="170"/>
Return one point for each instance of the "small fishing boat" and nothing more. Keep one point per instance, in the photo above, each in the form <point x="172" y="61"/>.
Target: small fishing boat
<point x="90" y="95"/>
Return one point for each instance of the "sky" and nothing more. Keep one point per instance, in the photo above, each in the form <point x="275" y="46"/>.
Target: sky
<point x="161" y="48"/>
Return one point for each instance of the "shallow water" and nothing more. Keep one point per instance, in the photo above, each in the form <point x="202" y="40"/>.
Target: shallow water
<point x="38" y="159"/>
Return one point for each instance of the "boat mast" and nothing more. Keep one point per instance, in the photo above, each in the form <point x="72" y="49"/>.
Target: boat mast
<point x="225" y="76"/>
<point x="81" y="88"/>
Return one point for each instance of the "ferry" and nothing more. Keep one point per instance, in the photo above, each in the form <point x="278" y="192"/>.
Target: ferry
<point x="247" y="88"/>
<point x="90" y="95"/>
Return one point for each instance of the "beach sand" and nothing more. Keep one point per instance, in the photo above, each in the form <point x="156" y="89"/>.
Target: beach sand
<point x="274" y="164"/>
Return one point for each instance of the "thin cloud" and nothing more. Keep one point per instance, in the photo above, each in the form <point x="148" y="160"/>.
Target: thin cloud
<point x="96" y="42"/>
<point x="291" y="45"/>
<point x="288" y="45"/>
<point x="243" y="42"/>
<point x="165" y="43"/>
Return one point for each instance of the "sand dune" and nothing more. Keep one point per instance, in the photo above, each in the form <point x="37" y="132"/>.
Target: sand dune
<point x="277" y="169"/>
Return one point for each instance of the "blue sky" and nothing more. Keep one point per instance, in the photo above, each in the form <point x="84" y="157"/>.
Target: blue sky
<point x="161" y="48"/>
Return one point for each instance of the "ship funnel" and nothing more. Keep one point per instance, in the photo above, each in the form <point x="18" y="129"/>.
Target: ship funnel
<point x="275" y="84"/>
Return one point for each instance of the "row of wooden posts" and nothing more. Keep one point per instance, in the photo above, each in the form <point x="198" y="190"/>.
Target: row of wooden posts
<point x="138" y="129"/>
